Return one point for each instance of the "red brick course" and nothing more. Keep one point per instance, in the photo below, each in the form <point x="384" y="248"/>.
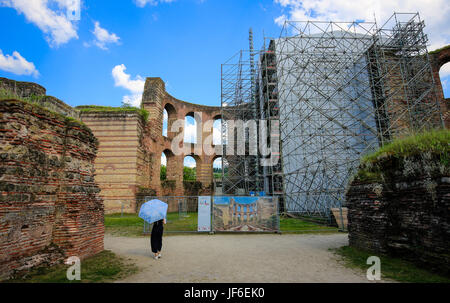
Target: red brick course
<point x="49" y="203"/>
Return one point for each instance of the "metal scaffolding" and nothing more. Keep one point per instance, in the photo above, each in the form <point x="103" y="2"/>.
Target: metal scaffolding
<point x="240" y="173"/>
<point x="344" y="90"/>
<point x="339" y="90"/>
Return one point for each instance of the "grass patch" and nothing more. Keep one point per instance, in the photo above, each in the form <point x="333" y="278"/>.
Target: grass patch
<point x="130" y="225"/>
<point x="391" y="268"/>
<point x="294" y="225"/>
<point x="96" y="108"/>
<point x="435" y="141"/>
<point x="434" y="144"/>
<point x="439" y="49"/>
<point x="103" y="267"/>
<point x="35" y="101"/>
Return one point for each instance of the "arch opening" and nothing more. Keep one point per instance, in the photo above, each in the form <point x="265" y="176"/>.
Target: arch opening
<point x="190" y="168"/>
<point x="169" y="116"/>
<point x="167" y="165"/>
<point x="190" y="129"/>
<point x="217" y="131"/>
<point x="444" y="75"/>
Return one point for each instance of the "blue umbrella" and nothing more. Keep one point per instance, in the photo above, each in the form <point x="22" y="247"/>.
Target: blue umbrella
<point x="153" y="211"/>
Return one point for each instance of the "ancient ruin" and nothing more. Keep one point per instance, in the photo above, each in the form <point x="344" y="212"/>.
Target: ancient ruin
<point x="50" y="207"/>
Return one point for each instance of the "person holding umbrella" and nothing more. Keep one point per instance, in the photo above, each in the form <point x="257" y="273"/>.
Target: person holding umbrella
<point x="156" y="237"/>
<point x="155" y="211"/>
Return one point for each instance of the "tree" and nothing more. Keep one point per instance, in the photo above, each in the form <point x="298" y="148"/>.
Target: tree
<point x="189" y="174"/>
<point x="163" y="173"/>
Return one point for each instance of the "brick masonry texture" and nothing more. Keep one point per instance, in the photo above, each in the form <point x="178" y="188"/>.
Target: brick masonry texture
<point x="30" y="89"/>
<point x="407" y="214"/>
<point x="129" y="157"/>
<point x="50" y="207"/>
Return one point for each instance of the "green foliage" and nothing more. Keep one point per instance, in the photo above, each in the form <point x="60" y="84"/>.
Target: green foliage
<point x="439" y="49"/>
<point x="103" y="267"/>
<point x="436" y="143"/>
<point x="163" y="173"/>
<point x="297" y="225"/>
<point x="130" y="225"/>
<point x="35" y="101"/>
<point x="96" y="108"/>
<point x="391" y="268"/>
<point x="189" y="174"/>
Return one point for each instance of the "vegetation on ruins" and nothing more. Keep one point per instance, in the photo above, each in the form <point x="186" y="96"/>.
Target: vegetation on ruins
<point x="34" y="101"/>
<point x="125" y="108"/>
<point x="439" y="50"/>
<point x="434" y="144"/>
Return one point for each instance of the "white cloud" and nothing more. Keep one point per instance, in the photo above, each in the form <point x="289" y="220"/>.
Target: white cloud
<point x="163" y="159"/>
<point x="135" y="87"/>
<point x="434" y="12"/>
<point x="53" y="22"/>
<point x="142" y="3"/>
<point x="280" y="20"/>
<point x="17" y="64"/>
<point x="103" y="37"/>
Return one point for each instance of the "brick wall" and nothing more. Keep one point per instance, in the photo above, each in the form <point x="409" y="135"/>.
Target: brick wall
<point x="49" y="203"/>
<point x="405" y="213"/>
<point x="122" y="161"/>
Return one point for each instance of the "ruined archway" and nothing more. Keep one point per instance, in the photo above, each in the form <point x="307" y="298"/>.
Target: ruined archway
<point x="444" y="75"/>
<point x="169" y="116"/>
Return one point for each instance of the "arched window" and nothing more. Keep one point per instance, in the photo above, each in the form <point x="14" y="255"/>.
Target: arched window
<point x="169" y="116"/>
<point x="190" y="169"/>
<point x="163" y="171"/>
<point x="165" y="122"/>
<point x="217" y="168"/>
<point x="217" y="132"/>
<point x="444" y="74"/>
<point x="190" y="129"/>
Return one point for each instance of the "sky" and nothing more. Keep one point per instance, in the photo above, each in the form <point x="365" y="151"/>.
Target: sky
<point x="101" y="51"/>
<point x="104" y="57"/>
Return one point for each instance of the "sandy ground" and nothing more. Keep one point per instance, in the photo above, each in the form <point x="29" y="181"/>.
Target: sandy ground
<point x="238" y="258"/>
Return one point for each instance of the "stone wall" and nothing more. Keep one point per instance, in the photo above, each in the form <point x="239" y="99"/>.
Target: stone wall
<point x="155" y="99"/>
<point x="22" y="89"/>
<point x="438" y="58"/>
<point x="404" y="211"/>
<point x="37" y="94"/>
<point x="122" y="163"/>
<point x="50" y="207"/>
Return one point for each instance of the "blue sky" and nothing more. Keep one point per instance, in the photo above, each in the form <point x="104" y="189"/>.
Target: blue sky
<point x="104" y="57"/>
<point x="183" y="42"/>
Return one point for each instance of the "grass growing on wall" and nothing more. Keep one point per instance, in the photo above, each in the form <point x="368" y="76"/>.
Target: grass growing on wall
<point x="34" y="101"/>
<point x="437" y="142"/>
<point x="434" y="144"/>
<point x="96" y="108"/>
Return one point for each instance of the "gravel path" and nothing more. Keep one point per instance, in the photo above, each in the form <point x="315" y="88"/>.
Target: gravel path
<point x="237" y="258"/>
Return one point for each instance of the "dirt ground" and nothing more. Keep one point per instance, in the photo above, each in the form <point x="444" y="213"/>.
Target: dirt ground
<point x="240" y="258"/>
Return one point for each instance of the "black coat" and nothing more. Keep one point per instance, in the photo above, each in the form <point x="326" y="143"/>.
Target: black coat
<point x="156" y="236"/>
